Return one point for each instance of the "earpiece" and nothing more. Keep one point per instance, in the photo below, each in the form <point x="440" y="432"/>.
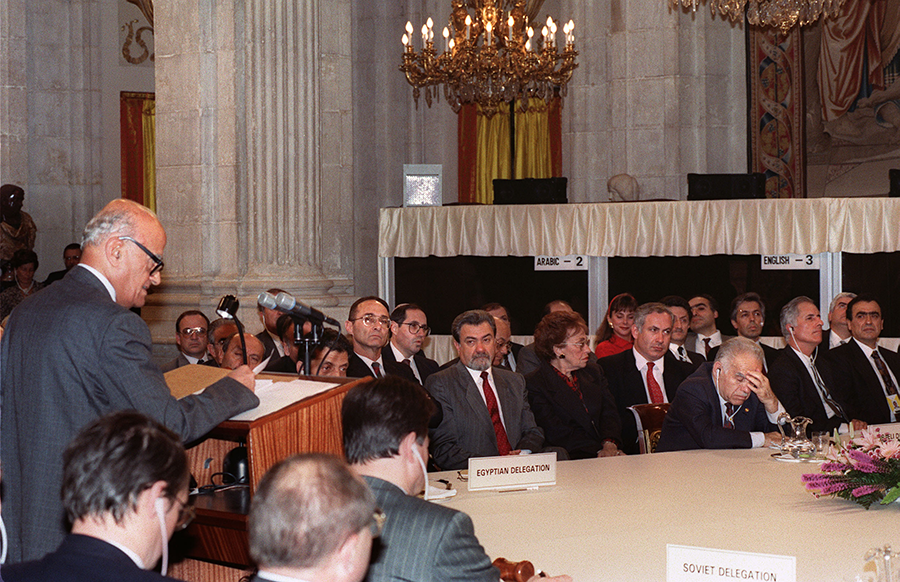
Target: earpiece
<point x="160" y="504"/>
<point x="717" y="374"/>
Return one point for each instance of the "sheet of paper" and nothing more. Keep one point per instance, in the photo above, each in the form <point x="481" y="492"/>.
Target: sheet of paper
<point x="274" y="396"/>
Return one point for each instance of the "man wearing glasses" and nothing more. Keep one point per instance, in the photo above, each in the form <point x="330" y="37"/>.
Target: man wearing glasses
<point x="369" y="327"/>
<point x="868" y="372"/>
<point x="191" y="328"/>
<point x="409" y="328"/>
<point x="125" y="484"/>
<point x="75" y="352"/>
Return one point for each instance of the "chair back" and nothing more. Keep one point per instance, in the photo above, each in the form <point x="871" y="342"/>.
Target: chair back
<point x="649" y="419"/>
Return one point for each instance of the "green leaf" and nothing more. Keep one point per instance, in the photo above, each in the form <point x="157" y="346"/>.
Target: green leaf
<point x="892" y="495"/>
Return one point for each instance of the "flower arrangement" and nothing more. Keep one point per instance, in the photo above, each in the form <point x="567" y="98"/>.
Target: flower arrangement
<point x="865" y="470"/>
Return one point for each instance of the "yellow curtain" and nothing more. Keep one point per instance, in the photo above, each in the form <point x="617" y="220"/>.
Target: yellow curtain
<point x="149" y="134"/>
<point x="533" y="158"/>
<point x="493" y="154"/>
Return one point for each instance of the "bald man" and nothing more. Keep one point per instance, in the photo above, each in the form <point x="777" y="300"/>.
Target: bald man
<point x="75" y="352"/>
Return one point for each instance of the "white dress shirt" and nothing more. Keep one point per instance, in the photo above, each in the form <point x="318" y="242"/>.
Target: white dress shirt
<point x="412" y="361"/>
<point x="658" y="367"/>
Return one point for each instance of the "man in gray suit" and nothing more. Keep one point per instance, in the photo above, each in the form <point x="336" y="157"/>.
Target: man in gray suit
<point x="385" y="426"/>
<point x="485" y="409"/>
<point x="74" y="352"/>
<point x="191" y="330"/>
<point x="312" y="519"/>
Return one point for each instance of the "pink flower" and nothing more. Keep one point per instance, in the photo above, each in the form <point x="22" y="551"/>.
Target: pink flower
<point x="863" y="462"/>
<point x="865" y="490"/>
<point x="890" y="450"/>
<point x="867" y="440"/>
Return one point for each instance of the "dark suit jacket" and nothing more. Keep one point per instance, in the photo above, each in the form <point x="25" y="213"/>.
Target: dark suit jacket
<point x="578" y="425"/>
<point x="797" y="392"/>
<point x="771" y="354"/>
<point x="268" y="343"/>
<point x="627" y="388"/>
<point x="54" y="276"/>
<point x="425" y="365"/>
<point x="81" y="559"/>
<point x="466" y="429"/>
<point x="358" y="369"/>
<point x="514" y="349"/>
<point x="70" y="354"/>
<point x="527" y="360"/>
<point x="176" y="363"/>
<point x="423" y="541"/>
<point x="692" y="344"/>
<point x="694" y="420"/>
<point x="861" y="383"/>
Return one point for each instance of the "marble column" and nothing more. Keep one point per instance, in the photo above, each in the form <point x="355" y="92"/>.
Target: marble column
<point x="254" y="153"/>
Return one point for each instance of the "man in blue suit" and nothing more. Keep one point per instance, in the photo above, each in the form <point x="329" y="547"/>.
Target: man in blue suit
<point x="727" y="404"/>
<point x="125" y="482"/>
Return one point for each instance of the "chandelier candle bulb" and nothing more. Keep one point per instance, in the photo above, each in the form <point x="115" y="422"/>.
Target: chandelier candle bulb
<point x="446" y="39"/>
<point x="468" y="27"/>
<point x="488" y="28"/>
<point x="405" y="40"/>
<point x="511" y="22"/>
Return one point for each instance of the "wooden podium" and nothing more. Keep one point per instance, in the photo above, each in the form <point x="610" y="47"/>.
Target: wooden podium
<point x="214" y="546"/>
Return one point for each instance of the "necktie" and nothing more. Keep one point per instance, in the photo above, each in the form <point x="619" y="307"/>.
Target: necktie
<point x="885" y="374"/>
<point x="706" y="347"/>
<point x="681" y="355"/>
<point x="502" y="440"/>
<point x="377" y="368"/>
<point x="826" y="396"/>
<point x="405" y="362"/>
<point x="656" y="396"/>
<point x="730" y="409"/>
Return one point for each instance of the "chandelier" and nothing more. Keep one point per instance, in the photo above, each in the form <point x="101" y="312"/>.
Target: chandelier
<point x="491" y="56"/>
<point x="781" y="14"/>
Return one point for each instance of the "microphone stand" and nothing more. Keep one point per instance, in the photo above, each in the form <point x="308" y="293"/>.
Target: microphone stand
<point x="308" y="342"/>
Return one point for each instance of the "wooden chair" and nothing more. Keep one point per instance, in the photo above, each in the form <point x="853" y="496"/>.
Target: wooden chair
<point x="649" y="419"/>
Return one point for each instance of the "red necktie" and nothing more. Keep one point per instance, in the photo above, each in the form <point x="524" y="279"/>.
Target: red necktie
<point x="706" y="347"/>
<point x="377" y="368"/>
<point x="729" y="415"/>
<point x="656" y="395"/>
<point x="502" y="440"/>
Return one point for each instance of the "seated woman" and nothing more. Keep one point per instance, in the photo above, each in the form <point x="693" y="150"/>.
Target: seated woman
<point x="24" y="263"/>
<point x="614" y="335"/>
<point x="568" y="396"/>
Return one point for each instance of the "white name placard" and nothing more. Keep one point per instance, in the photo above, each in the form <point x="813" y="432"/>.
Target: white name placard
<point x="690" y="564"/>
<point x="512" y="471"/>
<point x="566" y="263"/>
<point x="790" y="262"/>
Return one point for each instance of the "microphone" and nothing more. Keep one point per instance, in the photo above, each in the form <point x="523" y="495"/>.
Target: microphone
<point x="286" y="303"/>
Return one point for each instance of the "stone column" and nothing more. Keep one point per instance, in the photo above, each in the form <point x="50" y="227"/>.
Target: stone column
<point x="254" y="158"/>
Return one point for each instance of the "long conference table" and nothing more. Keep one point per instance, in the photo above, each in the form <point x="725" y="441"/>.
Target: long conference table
<point x="611" y="519"/>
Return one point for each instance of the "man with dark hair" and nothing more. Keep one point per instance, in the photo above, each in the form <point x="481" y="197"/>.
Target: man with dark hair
<point x="727" y="404"/>
<point x="312" y="519"/>
<point x="409" y="328"/>
<point x="94" y="359"/>
<point x="331" y="356"/>
<point x="71" y="257"/>
<point x="269" y="334"/>
<point x="368" y="326"/>
<point x="385" y="427"/>
<point x="803" y="381"/>
<point x="748" y="315"/>
<point x="191" y="329"/>
<point x="868" y="372"/>
<point x="681" y="311"/>
<point x="648" y="372"/>
<point x="704" y="336"/>
<point x="485" y="410"/>
<point x="125" y="481"/>
<point x="219" y="334"/>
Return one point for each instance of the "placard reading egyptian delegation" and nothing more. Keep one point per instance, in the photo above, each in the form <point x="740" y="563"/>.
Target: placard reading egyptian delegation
<point x="512" y="471"/>
<point x="690" y="564"/>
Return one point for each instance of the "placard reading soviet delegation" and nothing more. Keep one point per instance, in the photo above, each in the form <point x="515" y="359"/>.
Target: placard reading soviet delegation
<point x="690" y="564"/>
<point x="512" y="471"/>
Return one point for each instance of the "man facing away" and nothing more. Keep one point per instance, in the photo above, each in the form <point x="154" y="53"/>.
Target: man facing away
<point x="93" y="358"/>
<point x="385" y="428"/>
<point x="125" y="490"/>
<point x="312" y="520"/>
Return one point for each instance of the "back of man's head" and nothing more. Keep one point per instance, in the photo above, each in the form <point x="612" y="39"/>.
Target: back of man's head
<point x="114" y="459"/>
<point x="304" y="510"/>
<point x="377" y="415"/>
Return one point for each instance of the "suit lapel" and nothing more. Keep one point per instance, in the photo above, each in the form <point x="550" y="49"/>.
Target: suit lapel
<point x="473" y="395"/>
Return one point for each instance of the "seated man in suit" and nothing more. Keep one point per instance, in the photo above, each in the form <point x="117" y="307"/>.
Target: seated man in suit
<point x="648" y="372"/>
<point x="409" y="328"/>
<point x="125" y="480"/>
<point x="368" y="326"/>
<point x="704" y="335"/>
<point x="804" y="382"/>
<point x="868" y="372"/>
<point x="681" y="310"/>
<point x="385" y="427"/>
<point x="748" y="314"/>
<point x="191" y="330"/>
<point x="501" y="347"/>
<point x="71" y="257"/>
<point x="727" y="404"/>
<point x="269" y="334"/>
<point x="485" y="410"/>
<point x="838" y="325"/>
<point x="218" y="336"/>
<point x="312" y="519"/>
<point x="511" y="359"/>
<point x="234" y="352"/>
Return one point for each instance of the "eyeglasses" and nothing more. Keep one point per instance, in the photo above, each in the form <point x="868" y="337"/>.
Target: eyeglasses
<point x="159" y="262"/>
<point x="501" y="343"/>
<point x="578" y="344"/>
<point x="193" y="331"/>
<point x="369" y="320"/>
<point x="416" y="327"/>
<point x="186" y="514"/>
<point x="376" y="524"/>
